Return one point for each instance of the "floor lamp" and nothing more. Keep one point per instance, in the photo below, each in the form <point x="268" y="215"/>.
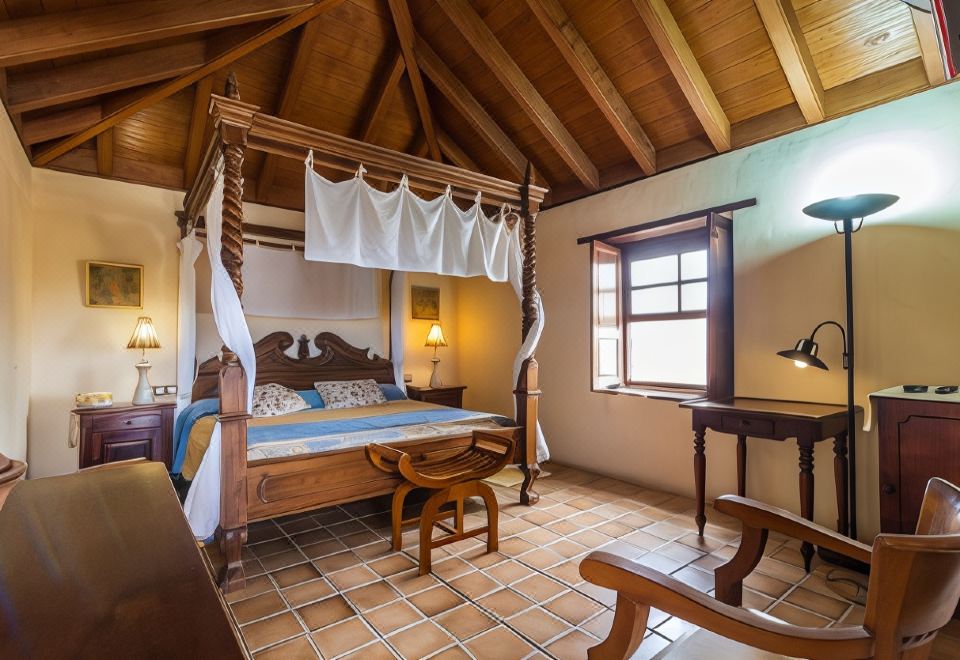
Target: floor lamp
<point x="842" y="211"/>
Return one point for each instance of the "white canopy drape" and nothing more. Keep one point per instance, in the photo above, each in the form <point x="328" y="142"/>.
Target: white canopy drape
<point x="352" y="222"/>
<point x="190" y="249"/>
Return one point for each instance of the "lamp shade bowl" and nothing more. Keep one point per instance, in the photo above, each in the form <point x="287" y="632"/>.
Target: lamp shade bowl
<point x="848" y="208"/>
<point x="805" y="354"/>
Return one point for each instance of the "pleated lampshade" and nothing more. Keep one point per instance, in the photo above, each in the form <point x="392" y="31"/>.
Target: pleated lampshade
<point x="144" y="335"/>
<point x="435" y="336"/>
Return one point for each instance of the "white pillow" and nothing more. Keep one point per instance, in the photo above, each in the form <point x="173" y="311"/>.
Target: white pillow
<point x="272" y="399"/>
<point x="349" y="393"/>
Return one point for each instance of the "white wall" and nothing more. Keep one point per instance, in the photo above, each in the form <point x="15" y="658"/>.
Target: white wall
<point x="788" y="277"/>
<point x="16" y="235"/>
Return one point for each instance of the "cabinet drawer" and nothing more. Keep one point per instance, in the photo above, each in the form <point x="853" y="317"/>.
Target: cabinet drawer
<point x="746" y="425"/>
<point x="124" y="445"/>
<point x="124" y="421"/>
<point x="451" y="399"/>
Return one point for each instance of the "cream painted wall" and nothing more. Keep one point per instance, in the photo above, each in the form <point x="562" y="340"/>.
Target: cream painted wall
<point x="16" y="235"/>
<point x="417" y="356"/>
<point x="788" y="277"/>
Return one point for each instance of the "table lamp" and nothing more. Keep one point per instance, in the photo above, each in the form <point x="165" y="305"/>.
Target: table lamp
<point x="435" y="339"/>
<point x="144" y="337"/>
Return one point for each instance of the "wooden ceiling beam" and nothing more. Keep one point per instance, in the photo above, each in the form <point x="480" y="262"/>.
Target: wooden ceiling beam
<point x="384" y="97"/>
<point x="58" y="124"/>
<point x="791" y="47"/>
<point x="175" y="85"/>
<point x="926" y="29"/>
<point x="43" y="88"/>
<point x="288" y="98"/>
<point x="469" y="108"/>
<point x="406" y="35"/>
<point x="197" y="130"/>
<point x="484" y="42"/>
<point x="686" y="69"/>
<point x="561" y="30"/>
<point x="61" y="34"/>
<point x="105" y="153"/>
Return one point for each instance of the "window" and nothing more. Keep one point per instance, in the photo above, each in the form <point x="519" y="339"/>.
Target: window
<point x="663" y="309"/>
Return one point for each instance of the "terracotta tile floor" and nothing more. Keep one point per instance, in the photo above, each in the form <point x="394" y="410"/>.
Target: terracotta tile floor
<point x="326" y="583"/>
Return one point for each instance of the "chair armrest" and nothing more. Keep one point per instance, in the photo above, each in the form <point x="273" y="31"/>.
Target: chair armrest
<point x="650" y="587"/>
<point x="763" y="516"/>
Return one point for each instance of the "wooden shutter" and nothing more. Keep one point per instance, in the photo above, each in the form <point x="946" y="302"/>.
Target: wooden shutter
<point x="607" y="315"/>
<point x="720" y="308"/>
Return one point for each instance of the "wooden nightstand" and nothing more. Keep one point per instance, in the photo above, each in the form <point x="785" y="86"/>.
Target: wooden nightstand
<point x="449" y="395"/>
<point x="124" y="431"/>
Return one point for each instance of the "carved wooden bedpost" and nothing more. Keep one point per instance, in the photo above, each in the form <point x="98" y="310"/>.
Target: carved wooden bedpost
<point x="528" y="386"/>
<point x="232" y="130"/>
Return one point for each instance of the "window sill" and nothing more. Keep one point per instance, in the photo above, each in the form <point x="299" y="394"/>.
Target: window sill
<point x="650" y="393"/>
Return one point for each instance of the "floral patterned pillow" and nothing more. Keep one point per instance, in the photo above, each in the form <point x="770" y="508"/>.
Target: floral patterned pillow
<point x="272" y="399"/>
<point x="350" y="393"/>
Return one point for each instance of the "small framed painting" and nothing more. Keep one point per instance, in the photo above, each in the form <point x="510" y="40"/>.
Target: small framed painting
<point x="425" y="302"/>
<point x="114" y="285"/>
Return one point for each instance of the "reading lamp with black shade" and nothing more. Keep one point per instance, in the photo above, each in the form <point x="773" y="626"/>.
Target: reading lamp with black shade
<point x="842" y="211"/>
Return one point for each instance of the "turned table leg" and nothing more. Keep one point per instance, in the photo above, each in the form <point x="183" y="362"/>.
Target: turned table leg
<point x="742" y="465"/>
<point x="806" y="494"/>
<point x="700" y="474"/>
<point x="840" y="471"/>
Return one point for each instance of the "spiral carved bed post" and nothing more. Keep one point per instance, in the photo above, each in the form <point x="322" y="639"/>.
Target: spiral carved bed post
<point x="528" y="387"/>
<point x="233" y="417"/>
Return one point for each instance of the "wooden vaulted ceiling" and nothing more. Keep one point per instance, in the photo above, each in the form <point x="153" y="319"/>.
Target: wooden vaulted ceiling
<point x="593" y="92"/>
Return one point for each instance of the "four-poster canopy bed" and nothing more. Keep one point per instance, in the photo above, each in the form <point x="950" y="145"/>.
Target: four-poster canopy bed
<point x="268" y="488"/>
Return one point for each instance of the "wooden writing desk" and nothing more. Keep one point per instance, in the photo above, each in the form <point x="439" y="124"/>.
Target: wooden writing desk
<point x="102" y="564"/>
<point x="770" y="419"/>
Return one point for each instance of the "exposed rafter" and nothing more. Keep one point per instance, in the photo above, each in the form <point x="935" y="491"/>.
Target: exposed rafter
<point x="685" y="68"/>
<point x="174" y="86"/>
<point x="105" y="153"/>
<point x="454" y="153"/>
<point x="561" y="30"/>
<point x="791" y="47"/>
<point x="288" y="98"/>
<point x="84" y="30"/>
<point x="58" y="124"/>
<point x="384" y="97"/>
<point x="197" y="130"/>
<point x="406" y="35"/>
<point x="929" y="46"/>
<point x="468" y="106"/>
<point x="485" y="43"/>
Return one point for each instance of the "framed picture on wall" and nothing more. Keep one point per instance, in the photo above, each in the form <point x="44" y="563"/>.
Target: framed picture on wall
<point x="114" y="285"/>
<point x="425" y="302"/>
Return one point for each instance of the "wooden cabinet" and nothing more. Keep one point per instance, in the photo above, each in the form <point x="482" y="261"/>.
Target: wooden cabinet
<point x="445" y="396"/>
<point x="125" y="431"/>
<point x="919" y="438"/>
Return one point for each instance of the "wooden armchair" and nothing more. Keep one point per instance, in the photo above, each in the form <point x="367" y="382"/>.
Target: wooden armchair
<point x="913" y="590"/>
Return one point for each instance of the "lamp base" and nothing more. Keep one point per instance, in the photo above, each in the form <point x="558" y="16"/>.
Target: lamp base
<point x="143" y="395"/>
<point x="435" y="380"/>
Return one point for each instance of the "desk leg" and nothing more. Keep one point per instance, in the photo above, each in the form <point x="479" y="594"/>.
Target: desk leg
<point x="806" y="494"/>
<point x="840" y="477"/>
<point x="742" y="465"/>
<point x="700" y="474"/>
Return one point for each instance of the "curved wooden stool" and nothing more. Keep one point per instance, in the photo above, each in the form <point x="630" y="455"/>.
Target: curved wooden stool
<point x="452" y="478"/>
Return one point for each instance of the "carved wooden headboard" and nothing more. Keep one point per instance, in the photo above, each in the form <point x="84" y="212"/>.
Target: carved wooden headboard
<point x="337" y="360"/>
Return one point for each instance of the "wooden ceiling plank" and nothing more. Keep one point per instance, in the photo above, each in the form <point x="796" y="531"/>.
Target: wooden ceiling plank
<point x="484" y="42"/>
<point x="685" y="68"/>
<point x="59" y="124"/>
<point x="197" y="130"/>
<point x="43" y="88"/>
<point x="469" y="107"/>
<point x="559" y="26"/>
<point x="105" y="153"/>
<point x="174" y="86"/>
<point x="384" y="97"/>
<point x="453" y="151"/>
<point x="923" y="23"/>
<point x="791" y="47"/>
<point x="407" y="38"/>
<point x="288" y="97"/>
<point x="879" y="87"/>
<point x="84" y="30"/>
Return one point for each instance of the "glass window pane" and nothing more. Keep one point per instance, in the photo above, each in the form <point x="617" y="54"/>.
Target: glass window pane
<point x="653" y="271"/>
<point x="607" y="308"/>
<point x="693" y="297"/>
<point x="669" y="352"/>
<point x="607" y="274"/>
<point x="693" y="265"/>
<point x="658" y="300"/>
<point x="607" y="357"/>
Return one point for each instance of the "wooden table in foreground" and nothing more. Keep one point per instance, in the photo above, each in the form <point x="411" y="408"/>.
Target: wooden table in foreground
<point x="772" y="419"/>
<point x="102" y="564"/>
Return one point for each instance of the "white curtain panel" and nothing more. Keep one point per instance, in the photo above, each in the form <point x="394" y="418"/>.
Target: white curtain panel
<point x="190" y="248"/>
<point x="351" y="222"/>
<point x="202" y="505"/>
<point x="399" y="304"/>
